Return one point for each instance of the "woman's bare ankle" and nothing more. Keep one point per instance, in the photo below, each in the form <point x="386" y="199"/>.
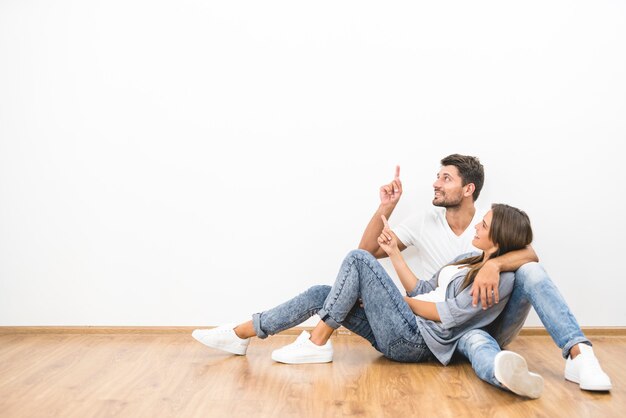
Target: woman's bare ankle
<point x="245" y="330"/>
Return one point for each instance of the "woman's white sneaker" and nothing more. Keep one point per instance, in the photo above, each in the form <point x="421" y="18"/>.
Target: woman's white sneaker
<point x="512" y="371"/>
<point x="303" y="351"/>
<point x="586" y="371"/>
<point x="223" y="338"/>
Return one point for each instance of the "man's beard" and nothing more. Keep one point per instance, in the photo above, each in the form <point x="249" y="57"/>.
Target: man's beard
<point x="446" y="202"/>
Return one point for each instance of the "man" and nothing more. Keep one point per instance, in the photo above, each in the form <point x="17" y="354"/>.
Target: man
<point x="445" y="231"/>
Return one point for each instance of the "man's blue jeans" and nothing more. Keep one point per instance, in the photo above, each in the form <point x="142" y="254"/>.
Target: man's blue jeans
<point x="533" y="287"/>
<point x="385" y="319"/>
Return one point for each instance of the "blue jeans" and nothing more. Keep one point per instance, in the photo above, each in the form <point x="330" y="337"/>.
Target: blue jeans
<point x="385" y="319"/>
<point x="532" y="287"/>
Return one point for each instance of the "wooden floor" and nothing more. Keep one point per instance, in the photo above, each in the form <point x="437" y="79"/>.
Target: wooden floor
<point x="171" y="375"/>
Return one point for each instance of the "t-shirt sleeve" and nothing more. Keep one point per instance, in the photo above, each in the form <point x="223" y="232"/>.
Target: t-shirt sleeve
<point x="409" y="229"/>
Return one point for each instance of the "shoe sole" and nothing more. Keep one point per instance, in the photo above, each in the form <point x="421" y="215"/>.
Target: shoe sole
<point x="307" y="360"/>
<point x="513" y="373"/>
<point x="237" y="351"/>
<point x="595" y="388"/>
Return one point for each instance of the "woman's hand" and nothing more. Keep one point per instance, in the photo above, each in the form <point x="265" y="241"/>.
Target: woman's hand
<point x="387" y="240"/>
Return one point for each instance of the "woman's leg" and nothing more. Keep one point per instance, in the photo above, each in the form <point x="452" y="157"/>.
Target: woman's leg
<point x="288" y="314"/>
<point x="357" y="322"/>
<point x="390" y="319"/>
<point x="300" y="308"/>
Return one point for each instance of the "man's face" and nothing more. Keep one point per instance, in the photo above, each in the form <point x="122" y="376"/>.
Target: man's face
<point x="448" y="187"/>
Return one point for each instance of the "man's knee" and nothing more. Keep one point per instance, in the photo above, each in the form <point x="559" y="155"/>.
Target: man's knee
<point x="530" y="275"/>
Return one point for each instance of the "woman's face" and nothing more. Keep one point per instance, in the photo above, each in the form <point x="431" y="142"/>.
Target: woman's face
<point x="481" y="238"/>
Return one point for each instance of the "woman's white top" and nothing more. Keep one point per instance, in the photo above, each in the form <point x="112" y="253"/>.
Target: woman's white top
<point x="445" y="276"/>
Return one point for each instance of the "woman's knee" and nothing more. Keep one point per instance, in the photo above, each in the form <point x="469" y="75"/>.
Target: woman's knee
<point x="365" y="263"/>
<point x="318" y="292"/>
<point x="360" y="255"/>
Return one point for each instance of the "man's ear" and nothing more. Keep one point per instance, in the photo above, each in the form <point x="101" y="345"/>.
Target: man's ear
<point x="469" y="189"/>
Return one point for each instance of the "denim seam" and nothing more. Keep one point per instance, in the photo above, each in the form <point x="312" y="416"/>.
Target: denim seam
<point x="342" y="283"/>
<point x="401" y="340"/>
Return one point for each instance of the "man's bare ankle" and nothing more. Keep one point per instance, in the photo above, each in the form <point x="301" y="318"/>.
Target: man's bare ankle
<point x="574" y="352"/>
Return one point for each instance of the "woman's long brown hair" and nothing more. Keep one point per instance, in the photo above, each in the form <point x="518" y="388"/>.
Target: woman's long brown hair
<point x="510" y="230"/>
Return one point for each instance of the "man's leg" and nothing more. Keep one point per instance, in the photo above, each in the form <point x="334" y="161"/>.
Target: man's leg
<point x="503" y="369"/>
<point x="533" y="287"/>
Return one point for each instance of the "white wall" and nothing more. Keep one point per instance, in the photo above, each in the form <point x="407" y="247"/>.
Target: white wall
<point x="191" y="162"/>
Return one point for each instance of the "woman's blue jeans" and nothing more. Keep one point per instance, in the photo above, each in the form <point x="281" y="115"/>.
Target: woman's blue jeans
<point x="532" y="288"/>
<point x="385" y="319"/>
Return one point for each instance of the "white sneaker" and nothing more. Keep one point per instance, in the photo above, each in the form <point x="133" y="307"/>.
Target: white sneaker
<point x="512" y="371"/>
<point x="586" y="371"/>
<point x="304" y="351"/>
<point x="222" y="338"/>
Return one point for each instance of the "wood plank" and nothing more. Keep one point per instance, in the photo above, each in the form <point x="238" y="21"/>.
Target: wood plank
<point x="171" y="375"/>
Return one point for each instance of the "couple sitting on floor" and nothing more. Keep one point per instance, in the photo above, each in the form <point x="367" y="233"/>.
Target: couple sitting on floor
<point x="482" y="283"/>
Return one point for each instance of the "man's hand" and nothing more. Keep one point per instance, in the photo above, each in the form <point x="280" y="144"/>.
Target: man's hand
<point x="485" y="286"/>
<point x="390" y="193"/>
<point x="387" y="240"/>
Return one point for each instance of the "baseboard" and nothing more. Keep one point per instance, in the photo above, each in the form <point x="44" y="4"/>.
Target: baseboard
<point x="526" y="331"/>
<point x="590" y="331"/>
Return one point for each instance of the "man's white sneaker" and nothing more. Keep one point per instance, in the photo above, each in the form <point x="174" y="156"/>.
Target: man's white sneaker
<point x="586" y="371"/>
<point x="304" y="351"/>
<point x="222" y="338"/>
<point x="512" y="371"/>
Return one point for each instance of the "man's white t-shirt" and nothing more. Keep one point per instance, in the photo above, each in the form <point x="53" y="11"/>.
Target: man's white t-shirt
<point x="435" y="242"/>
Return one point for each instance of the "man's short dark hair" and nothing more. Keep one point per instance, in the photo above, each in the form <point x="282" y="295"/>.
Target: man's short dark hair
<point x="470" y="170"/>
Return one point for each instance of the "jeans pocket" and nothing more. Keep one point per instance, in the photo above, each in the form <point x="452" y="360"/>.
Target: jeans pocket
<point x="408" y="352"/>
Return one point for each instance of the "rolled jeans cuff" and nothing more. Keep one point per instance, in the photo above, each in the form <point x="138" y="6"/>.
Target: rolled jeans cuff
<point x="256" y="323"/>
<point x="570" y="344"/>
<point x="323" y="314"/>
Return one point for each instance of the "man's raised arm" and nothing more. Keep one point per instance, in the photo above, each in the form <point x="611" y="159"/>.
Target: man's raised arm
<point x="389" y="197"/>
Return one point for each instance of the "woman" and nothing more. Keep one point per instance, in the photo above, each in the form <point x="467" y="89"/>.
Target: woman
<point x="424" y="324"/>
